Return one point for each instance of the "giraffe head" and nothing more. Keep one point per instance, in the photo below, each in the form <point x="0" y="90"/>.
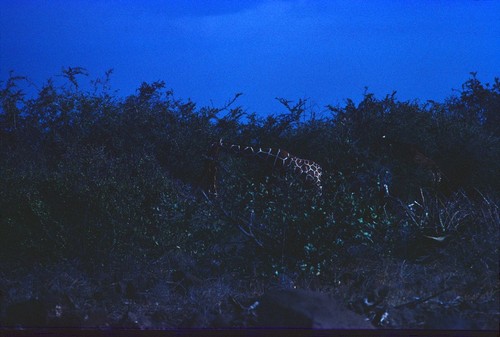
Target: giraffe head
<point x="412" y="153"/>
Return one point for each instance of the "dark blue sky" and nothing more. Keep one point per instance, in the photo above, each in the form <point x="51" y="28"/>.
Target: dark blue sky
<point x="208" y="50"/>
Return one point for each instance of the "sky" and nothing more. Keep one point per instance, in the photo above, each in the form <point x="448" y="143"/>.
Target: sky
<point x="325" y="51"/>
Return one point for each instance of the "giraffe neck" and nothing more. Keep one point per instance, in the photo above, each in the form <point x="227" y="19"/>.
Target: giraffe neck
<point x="279" y="159"/>
<point x="307" y="170"/>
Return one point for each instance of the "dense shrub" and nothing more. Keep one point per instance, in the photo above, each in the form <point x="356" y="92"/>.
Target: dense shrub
<point x="109" y="183"/>
<point x="90" y="174"/>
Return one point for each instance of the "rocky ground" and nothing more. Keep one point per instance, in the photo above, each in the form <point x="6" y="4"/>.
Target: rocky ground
<point x="175" y="292"/>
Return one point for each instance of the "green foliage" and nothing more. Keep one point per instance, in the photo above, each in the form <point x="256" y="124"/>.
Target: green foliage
<point x="91" y="175"/>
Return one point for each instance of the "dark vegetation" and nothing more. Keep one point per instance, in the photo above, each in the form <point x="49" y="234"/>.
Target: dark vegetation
<point x="103" y="219"/>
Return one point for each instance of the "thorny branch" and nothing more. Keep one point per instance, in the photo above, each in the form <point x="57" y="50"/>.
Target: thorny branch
<point x="241" y="223"/>
<point x="422" y="300"/>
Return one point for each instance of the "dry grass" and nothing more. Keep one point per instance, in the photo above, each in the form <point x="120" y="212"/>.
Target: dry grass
<point x="454" y="286"/>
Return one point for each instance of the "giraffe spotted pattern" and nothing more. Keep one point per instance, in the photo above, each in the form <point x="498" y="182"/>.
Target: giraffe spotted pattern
<point x="307" y="170"/>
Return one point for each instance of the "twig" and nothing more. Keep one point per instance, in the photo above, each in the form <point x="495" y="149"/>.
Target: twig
<point x="422" y="300"/>
<point x="248" y="232"/>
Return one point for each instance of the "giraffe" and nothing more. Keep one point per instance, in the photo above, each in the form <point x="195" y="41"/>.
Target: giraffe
<point x="307" y="170"/>
<point x="411" y="153"/>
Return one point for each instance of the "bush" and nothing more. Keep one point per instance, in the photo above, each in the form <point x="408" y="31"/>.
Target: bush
<point x="90" y="175"/>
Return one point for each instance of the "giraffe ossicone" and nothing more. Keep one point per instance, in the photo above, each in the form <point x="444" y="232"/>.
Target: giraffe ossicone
<point x="307" y="170"/>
